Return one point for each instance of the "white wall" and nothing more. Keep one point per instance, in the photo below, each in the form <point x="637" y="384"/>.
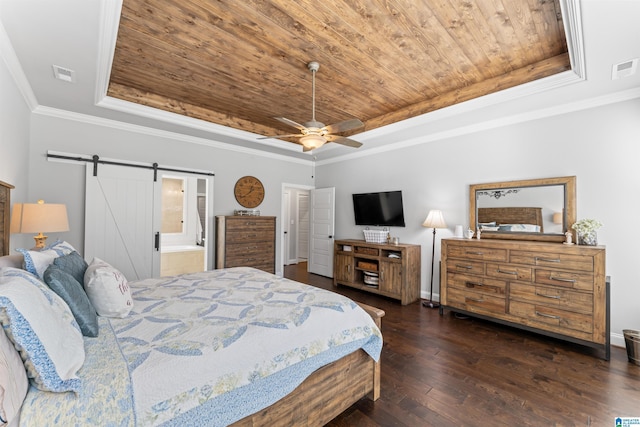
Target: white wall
<point x="600" y="146"/>
<point x="64" y="182"/>
<point x="14" y="137"/>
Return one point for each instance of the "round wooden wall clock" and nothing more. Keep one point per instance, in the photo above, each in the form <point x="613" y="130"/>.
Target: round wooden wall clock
<point x="249" y="191"/>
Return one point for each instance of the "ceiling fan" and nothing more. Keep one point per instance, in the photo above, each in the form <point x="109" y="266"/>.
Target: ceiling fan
<point x="314" y="134"/>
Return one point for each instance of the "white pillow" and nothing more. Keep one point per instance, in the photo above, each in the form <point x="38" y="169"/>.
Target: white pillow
<point x="107" y="289"/>
<point x="36" y="262"/>
<point x="13" y="381"/>
<point x="42" y="329"/>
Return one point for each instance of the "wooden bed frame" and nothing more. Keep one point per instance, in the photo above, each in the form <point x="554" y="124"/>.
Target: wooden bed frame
<point x="325" y="394"/>
<point x="512" y="216"/>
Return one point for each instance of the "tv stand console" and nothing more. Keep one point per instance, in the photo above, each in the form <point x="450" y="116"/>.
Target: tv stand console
<point x="379" y="268"/>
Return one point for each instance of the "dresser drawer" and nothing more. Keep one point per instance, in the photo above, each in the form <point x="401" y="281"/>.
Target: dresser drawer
<point x="476" y="301"/>
<point x="465" y="266"/>
<point x="565" y="279"/>
<point x="247" y="224"/>
<point x="250" y="236"/>
<point x="263" y="249"/>
<point x="249" y="260"/>
<point x="477" y="284"/>
<point x="566" y="322"/>
<point x="477" y="253"/>
<point x="509" y="272"/>
<point x="555" y="260"/>
<point x="552" y="297"/>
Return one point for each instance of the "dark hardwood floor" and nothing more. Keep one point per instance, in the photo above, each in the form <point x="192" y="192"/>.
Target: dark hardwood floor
<point x="447" y="371"/>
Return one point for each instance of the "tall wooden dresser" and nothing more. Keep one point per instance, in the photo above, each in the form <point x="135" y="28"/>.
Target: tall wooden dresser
<point x="246" y="241"/>
<point x="549" y="288"/>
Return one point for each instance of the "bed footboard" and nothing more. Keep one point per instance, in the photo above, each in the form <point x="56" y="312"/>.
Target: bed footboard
<point x="327" y="392"/>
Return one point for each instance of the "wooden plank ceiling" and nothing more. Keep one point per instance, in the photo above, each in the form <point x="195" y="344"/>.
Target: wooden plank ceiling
<point x="240" y="63"/>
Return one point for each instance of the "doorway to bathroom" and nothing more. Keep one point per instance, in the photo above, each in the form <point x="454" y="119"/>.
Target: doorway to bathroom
<point x="183" y="227"/>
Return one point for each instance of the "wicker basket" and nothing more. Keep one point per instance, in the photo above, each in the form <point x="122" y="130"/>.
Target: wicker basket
<point x="375" y="236"/>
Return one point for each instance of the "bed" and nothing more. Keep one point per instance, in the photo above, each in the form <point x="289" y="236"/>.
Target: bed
<point x="514" y="219"/>
<point x="232" y="346"/>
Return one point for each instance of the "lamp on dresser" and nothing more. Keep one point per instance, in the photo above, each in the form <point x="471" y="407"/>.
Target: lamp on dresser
<point x="39" y="218"/>
<point x="434" y="220"/>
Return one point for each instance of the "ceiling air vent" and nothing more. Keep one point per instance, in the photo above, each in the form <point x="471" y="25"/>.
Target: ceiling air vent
<point x="624" y="69"/>
<point x="64" y="74"/>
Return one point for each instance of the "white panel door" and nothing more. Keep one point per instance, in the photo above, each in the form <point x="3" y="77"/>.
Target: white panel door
<point x="286" y="228"/>
<point x="322" y="229"/>
<point x="303" y="226"/>
<point x="119" y="215"/>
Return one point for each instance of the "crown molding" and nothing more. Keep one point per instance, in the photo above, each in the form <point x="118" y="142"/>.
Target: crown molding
<point x="542" y="113"/>
<point x="115" y="124"/>
<point x="10" y="58"/>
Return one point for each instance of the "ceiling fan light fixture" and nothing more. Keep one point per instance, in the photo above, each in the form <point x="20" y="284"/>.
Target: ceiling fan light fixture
<point x="312" y="141"/>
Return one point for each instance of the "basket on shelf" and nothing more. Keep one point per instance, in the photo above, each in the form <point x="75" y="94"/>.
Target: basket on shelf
<point x="375" y="236"/>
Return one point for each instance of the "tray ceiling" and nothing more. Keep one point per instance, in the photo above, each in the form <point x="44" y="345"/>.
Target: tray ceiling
<point x="242" y="63"/>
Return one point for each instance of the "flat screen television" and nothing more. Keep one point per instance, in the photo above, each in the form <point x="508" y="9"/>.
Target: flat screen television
<point x="383" y="209"/>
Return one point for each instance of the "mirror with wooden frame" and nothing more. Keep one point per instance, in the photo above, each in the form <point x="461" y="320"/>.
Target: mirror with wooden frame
<point x="534" y="209"/>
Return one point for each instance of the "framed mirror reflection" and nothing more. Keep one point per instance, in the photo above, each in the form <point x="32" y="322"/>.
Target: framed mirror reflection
<point x="534" y="209"/>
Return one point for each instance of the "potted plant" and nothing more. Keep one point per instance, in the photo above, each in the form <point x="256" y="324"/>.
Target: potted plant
<point x="586" y="230"/>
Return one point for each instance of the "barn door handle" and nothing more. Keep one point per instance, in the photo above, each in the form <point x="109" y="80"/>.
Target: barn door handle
<point x="157" y="241"/>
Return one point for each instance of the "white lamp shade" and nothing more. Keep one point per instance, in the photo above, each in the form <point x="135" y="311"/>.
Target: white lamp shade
<point x="435" y="219"/>
<point x="39" y="218"/>
<point x="312" y="141"/>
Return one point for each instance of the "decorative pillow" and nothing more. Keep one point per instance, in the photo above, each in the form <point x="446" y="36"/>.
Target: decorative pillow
<point x="487" y="225"/>
<point x="531" y="228"/>
<point x="42" y="329"/>
<point x="36" y="262"/>
<point x="13" y="381"/>
<point x="71" y="291"/>
<point x="73" y="264"/>
<point x="107" y="289"/>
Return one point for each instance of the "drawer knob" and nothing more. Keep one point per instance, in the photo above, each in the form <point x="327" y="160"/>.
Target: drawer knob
<point x="515" y="273"/>
<point x="466" y="267"/>
<point x="560" y="279"/>
<point x="473" y="299"/>
<point x="472" y="284"/>
<point x="474" y="253"/>
<point x="547" y="259"/>
<point x="548" y="296"/>
<point x="547" y="315"/>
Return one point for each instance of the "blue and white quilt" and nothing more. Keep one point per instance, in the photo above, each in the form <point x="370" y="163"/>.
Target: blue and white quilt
<point x="211" y="348"/>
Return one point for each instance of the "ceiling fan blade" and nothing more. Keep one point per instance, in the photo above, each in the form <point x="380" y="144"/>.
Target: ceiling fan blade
<point x="344" y="126"/>
<point x="293" y="135"/>
<point x="343" y="141"/>
<point x="290" y="123"/>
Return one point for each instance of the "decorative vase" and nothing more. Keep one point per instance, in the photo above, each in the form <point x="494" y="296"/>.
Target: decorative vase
<point x="588" y="239"/>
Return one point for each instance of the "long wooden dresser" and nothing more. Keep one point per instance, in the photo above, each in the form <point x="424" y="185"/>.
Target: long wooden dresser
<point x="549" y="288"/>
<point x="246" y="241"/>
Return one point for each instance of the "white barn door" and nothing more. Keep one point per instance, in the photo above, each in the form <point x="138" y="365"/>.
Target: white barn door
<point x="119" y="220"/>
<point x="322" y="229"/>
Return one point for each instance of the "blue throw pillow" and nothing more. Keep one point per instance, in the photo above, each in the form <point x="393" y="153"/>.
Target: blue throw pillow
<point x="73" y="264"/>
<point x="72" y="292"/>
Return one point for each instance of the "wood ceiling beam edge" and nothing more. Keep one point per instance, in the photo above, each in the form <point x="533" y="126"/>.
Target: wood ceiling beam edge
<point x="136" y="96"/>
<point x="514" y="78"/>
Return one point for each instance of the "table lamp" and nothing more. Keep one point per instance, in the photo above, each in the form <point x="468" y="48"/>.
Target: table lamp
<point x="39" y="218"/>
